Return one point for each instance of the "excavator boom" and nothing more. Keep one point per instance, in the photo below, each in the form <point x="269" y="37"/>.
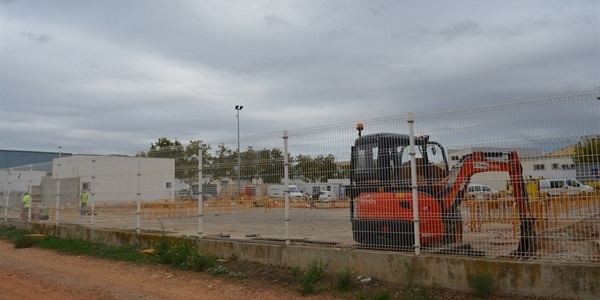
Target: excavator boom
<point x="478" y="162"/>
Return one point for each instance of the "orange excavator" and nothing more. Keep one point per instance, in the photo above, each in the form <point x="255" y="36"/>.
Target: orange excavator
<point x="381" y="192"/>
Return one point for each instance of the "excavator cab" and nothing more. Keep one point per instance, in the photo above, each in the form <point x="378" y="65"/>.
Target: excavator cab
<point x="380" y="187"/>
<point x="381" y="161"/>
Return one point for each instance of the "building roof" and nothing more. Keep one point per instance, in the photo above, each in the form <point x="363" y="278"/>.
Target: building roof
<point x="566" y="151"/>
<point x="18" y="158"/>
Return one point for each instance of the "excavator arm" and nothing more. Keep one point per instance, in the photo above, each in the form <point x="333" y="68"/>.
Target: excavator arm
<point x="457" y="182"/>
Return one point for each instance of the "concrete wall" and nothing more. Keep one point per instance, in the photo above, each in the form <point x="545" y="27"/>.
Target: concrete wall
<point x="116" y="178"/>
<point x="69" y="191"/>
<point x="19" y="180"/>
<point x="511" y="276"/>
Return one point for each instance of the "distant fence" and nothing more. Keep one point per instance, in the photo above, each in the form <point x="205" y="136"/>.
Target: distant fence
<point x="545" y="132"/>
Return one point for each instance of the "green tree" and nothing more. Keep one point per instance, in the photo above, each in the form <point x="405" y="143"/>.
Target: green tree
<point x="271" y="166"/>
<point x="223" y="163"/>
<point x="587" y="151"/>
<point x="187" y="170"/>
<point x="186" y="158"/>
<point x="263" y="164"/>
<point x="318" y="169"/>
<point x="343" y="171"/>
<point x="250" y="164"/>
<point x="304" y="168"/>
<point x="164" y="148"/>
<point x="326" y="167"/>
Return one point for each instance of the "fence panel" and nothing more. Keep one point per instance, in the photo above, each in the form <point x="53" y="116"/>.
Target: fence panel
<point x="354" y="186"/>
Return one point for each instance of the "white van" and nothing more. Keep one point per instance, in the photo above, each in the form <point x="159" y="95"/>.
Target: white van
<point x="563" y="186"/>
<point x="481" y="191"/>
<point x="278" y="191"/>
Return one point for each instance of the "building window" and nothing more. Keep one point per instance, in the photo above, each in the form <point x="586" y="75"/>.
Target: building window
<point x="539" y="167"/>
<point x="168" y="185"/>
<point x="554" y="166"/>
<point x="85" y="186"/>
<point x="454" y="157"/>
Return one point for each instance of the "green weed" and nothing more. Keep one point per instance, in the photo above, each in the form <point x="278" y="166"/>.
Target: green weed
<point x="25" y="242"/>
<point x="382" y="295"/>
<point x="11" y="233"/>
<point x="361" y="296"/>
<point x="217" y="270"/>
<point x="344" y="281"/>
<point x="415" y="289"/>
<point x="482" y="284"/>
<point x="309" y="277"/>
<point x="295" y="271"/>
<point x="182" y="255"/>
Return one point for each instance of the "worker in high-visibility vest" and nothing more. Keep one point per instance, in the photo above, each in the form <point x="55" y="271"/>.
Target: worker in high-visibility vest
<point x="26" y="206"/>
<point x="84" y="199"/>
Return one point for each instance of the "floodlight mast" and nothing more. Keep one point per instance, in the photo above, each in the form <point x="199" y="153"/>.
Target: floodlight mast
<point x="239" y="159"/>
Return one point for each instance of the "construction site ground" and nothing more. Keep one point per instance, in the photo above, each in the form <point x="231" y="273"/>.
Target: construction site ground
<point x="34" y="274"/>
<point x="571" y="235"/>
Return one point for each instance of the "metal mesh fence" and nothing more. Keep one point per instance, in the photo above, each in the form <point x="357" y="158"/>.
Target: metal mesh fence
<point x="513" y="179"/>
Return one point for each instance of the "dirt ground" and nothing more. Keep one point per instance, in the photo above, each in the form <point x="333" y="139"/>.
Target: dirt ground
<point x="33" y="273"/>
<point x="42" y="274"/>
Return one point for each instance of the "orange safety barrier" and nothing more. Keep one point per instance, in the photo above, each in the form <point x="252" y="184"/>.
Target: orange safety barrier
<point x="168" y="209"/>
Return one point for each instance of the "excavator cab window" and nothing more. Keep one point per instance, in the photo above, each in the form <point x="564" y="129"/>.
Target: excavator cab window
<point x="365" y="161"/>
<point x="378" y="159"/>
<point x="382" y="161"/>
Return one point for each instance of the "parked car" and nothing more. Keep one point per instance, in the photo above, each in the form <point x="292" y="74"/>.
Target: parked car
<point x="184" y="193"/>
<point x="563" y="186"/>
<point x="323" y="196"/>
<point x="481" y="191"/>
<point x="208" y="197"/>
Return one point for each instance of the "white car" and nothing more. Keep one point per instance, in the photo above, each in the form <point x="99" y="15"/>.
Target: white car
<point x="324" y="196"/>
<point x="481" y="191"/>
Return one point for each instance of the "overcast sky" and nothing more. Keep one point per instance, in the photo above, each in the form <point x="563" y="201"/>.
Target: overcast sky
<point x="110" y="77"/>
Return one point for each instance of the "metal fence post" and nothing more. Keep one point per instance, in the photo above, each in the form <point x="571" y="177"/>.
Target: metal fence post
<point x="286" y="189"/>
<point x="7" y="198"/>
<point x="57" y="209"/>
<point x="138" y="211"/>
<point x="92" y="192"/>
<point x="200" y="191"/>
<point x="413" y="183"/>
<point x="29" y="188"/>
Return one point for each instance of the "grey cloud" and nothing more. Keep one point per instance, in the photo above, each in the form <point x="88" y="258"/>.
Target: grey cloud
<point x="38" y="37"/>
<point x="273" y="21"/>
<point x="177" y="70"/>
<point x="465" y="28"/>
<point x="338" y="33"/>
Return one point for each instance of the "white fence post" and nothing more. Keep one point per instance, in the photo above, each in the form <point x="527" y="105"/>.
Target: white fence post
<point x="413" y="183"/>
<point x="57" y="208"/>
<point x="286" y="189"/>
<point x="200" y="191"/>
<point x="138" y="211"/>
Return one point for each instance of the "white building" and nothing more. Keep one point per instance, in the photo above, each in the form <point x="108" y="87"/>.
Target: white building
<point x="557" y="164"/>
<point x="113" y="178"/>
